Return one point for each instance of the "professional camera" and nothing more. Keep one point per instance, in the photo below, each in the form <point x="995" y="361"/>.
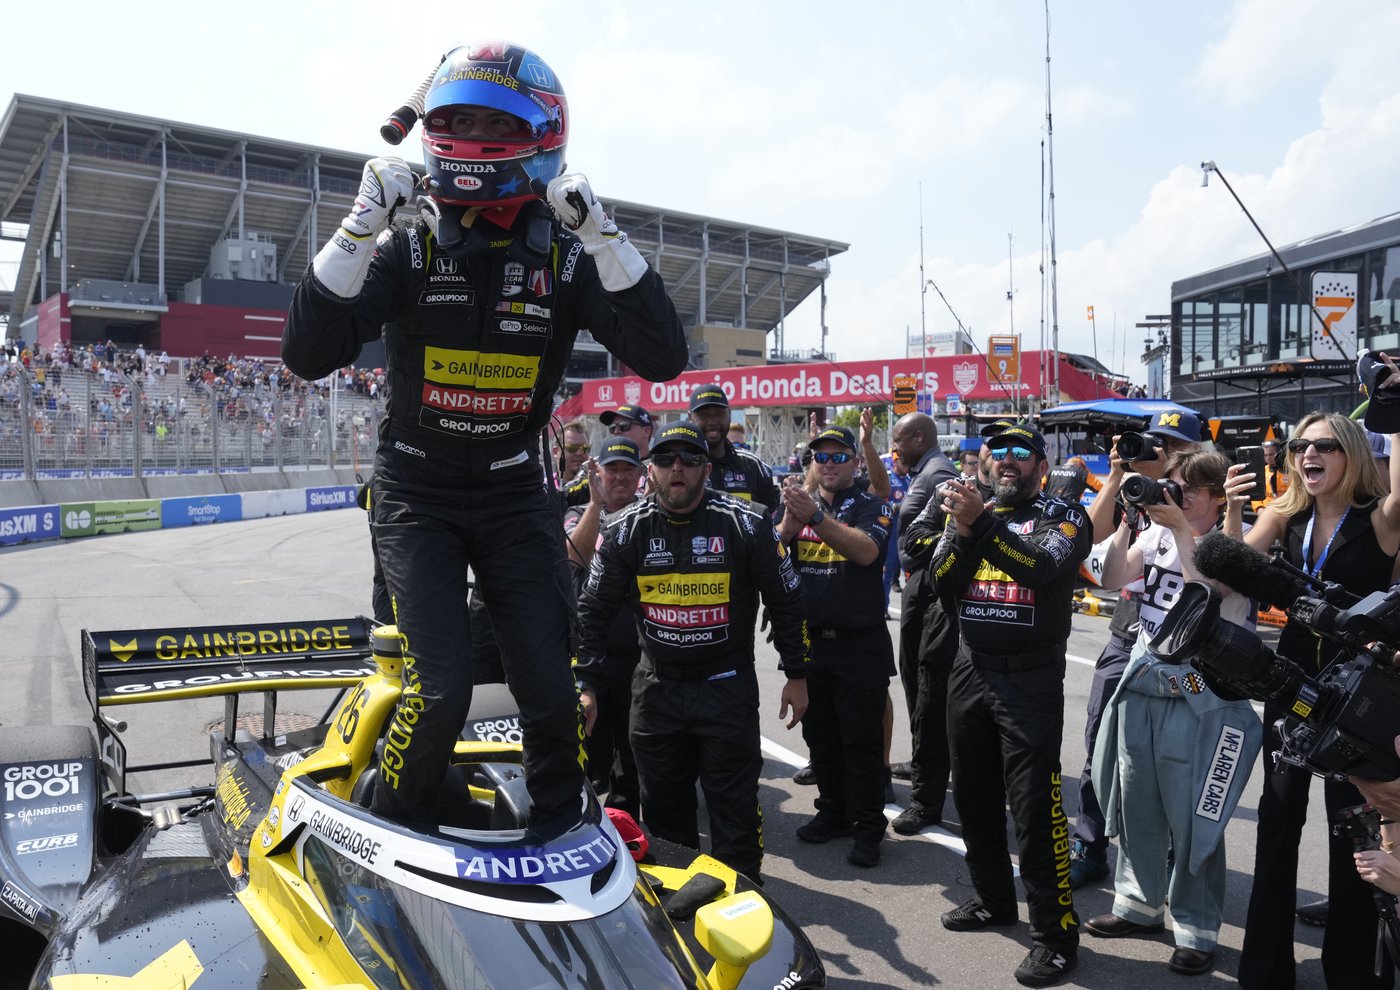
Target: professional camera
<point x="1134" y="446"/>
<point x="1342" y="722"/>
<point x="1142" y="491"/>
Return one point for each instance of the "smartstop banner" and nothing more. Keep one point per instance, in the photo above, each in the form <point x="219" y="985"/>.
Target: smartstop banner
<point x="197" y="510"/>
<point x="93" y="518"/>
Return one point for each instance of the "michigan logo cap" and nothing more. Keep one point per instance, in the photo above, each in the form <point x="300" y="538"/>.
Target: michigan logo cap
<point x="1180" y="424"/>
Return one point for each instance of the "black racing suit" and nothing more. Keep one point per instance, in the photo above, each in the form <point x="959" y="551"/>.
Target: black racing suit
<point x="694" y="583"/>
<point x="928" y="638"/>
<point x="852" y="661"/>
<point x="476" y="347"/>
<point x="741" y="473"/>
<point x="1012" y="580"/>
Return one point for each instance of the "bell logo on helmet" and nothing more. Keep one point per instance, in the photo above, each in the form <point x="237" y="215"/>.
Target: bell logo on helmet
<point x="468" y="182"/>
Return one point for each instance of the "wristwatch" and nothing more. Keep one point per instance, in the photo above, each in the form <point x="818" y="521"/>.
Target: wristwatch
<point x="817" y="517"/>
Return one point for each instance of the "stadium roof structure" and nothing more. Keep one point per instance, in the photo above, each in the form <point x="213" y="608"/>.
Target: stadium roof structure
<point x="101" y="197"/>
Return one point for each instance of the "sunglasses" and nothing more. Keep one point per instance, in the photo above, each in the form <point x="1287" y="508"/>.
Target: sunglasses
<point x="1020" y="453"/>
<point x="1325" y="445"/>
<point x="835" y="457"/>
<point x="578" y="448"/>
<point x="621" y="426"/>
<point x="668" y="457"/>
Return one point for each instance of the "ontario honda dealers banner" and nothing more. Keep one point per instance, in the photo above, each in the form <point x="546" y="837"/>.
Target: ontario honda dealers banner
<point x="834" y="383"/>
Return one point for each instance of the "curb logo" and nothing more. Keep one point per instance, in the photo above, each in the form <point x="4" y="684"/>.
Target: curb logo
<point x="122" y="651"/>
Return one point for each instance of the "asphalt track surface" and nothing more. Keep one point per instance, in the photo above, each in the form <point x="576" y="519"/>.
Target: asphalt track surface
<point x="875" y="928"/>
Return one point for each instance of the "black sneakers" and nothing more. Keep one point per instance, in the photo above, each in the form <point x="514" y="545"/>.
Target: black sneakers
<point x="914" y="819"/>
<point x="1044" y="966"/>
<point x="970" y="916"/>
<point x="864" y="852"/>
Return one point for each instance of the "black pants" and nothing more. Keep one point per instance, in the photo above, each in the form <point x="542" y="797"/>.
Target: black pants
<point x="1108" y="671"/>
<point x="928" y="642"/>
<point x="847" y="686"/>
<point x="506" y="530"/>
<point x="1349" y="944"/>
<point x="684" y="732"/>
<point x="612" y="766"/>
<point x="1005" y="731"/>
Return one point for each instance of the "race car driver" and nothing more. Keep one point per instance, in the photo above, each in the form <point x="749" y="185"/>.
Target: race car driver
<point x="1010" y="568"/>
<point x="691" y="564"/>
<point x="478" y="300"/>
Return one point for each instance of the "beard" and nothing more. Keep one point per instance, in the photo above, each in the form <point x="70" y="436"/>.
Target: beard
<point x="680" y="500"/>
<point x="1022" y="489"/>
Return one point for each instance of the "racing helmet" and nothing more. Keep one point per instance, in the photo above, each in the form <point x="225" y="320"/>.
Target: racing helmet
<point x="496" y="171"/>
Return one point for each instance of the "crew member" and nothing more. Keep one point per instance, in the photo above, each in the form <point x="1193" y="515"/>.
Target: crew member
<point x="1172" y="431"/>
<point x="631" y="422"/>
<point x="839" y="539"/>
<point x="928" y="636"/>
<point x="691" y="564"/>
<point x="612" y="485"/>
<point x="736" y="471"/>
<point x="1010" y="569"/>
<point x="479" y="300"/>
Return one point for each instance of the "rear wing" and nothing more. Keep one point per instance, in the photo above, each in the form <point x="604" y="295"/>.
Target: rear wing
<point x="135" y="666"/>
<point x="131" y="666"/>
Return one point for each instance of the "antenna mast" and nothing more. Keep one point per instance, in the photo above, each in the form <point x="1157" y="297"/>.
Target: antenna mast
<point x="1050" y="149"/>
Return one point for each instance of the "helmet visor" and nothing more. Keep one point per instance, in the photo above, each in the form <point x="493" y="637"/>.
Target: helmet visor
<point x="454" y="96"/>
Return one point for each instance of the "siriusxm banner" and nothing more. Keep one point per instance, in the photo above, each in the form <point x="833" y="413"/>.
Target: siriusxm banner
<point x="33" y="522"/>
<point x="330" y="497"/>
<point x="196" y="510"/>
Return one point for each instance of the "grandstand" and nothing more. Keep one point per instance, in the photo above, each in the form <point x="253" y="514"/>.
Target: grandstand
<point x="186" y="238"/>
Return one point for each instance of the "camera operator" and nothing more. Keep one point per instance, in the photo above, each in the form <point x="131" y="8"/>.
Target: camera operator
<point x="1337" y="522"/>
<point x="1172" y="757"/>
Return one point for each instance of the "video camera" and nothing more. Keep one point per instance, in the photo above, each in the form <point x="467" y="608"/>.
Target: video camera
<point x="1342" y="722"/>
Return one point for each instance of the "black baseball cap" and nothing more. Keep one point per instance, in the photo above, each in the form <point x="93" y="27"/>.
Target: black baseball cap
<point x="635" y="413"/>
<point x="620" y="449"/>
<point x="709" y="394"/>
<point x="1018" y="436"/>
<point x="841" y="434"/>
<point x="683" y="433"/>
<point x="994" y="429"/>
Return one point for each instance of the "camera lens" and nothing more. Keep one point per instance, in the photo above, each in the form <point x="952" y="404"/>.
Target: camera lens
<point x="1141" y="490"/>
<point x="1131" y="446"/>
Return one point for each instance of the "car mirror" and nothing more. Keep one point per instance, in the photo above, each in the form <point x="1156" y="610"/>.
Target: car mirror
<point x="737" y="930"/>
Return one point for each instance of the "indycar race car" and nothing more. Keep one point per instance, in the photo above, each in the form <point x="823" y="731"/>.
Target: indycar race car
<point x="276" y="875"/>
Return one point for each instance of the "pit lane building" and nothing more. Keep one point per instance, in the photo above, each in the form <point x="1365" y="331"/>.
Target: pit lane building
<point x="186" y="238"/>
<point x="1250" y="337"/>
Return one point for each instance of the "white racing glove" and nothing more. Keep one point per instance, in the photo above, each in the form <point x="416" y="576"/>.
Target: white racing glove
<point x="342" y="264"/>
<point x="620" y="265"/>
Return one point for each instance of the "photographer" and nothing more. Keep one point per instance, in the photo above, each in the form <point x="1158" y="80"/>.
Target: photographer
<point x="1337" y="522"/>
<point x="1172" y="757"/>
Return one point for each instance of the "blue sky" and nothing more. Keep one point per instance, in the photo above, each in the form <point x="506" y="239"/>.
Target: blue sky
<point x="826" y="119"/>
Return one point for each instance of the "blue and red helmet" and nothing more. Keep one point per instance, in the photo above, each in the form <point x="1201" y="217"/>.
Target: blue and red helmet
<point x="498" y="171"/>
